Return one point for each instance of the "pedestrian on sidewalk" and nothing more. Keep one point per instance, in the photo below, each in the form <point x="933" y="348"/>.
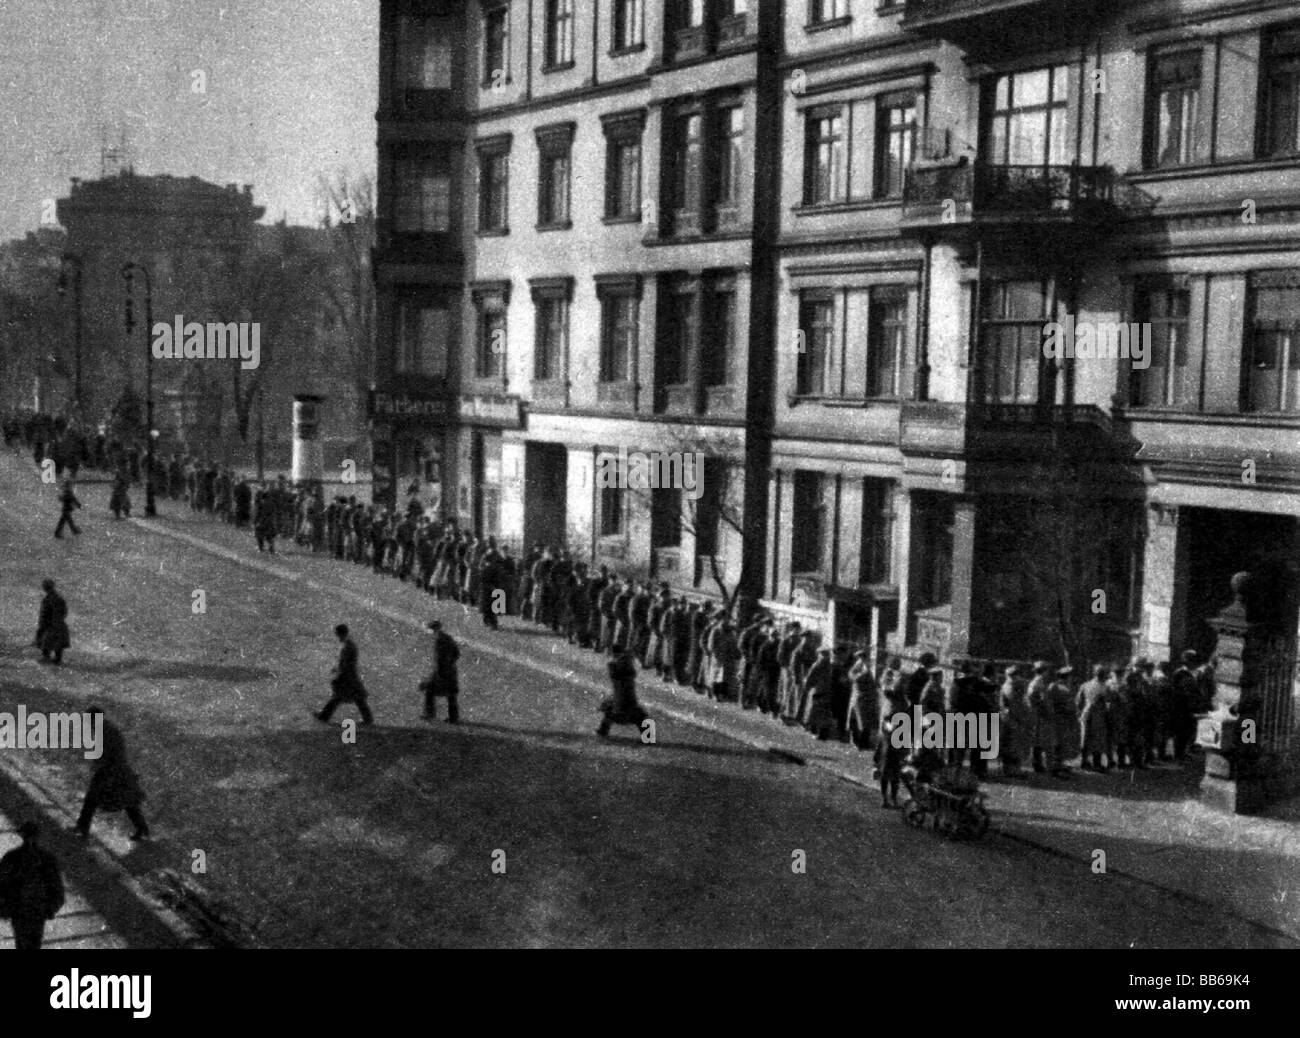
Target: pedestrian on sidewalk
<point x="67" y="504"/>
<point x="1094" y="720"/>
<point x="1044" y="720"/>
<point x="1018" y="722"/>
<point x="31" y="888"/>
<point x="119" y="502"/>
<point x="1065" y="716"/>
<point x="346" y="683"/>
<point x="114" y="785"/>
<point x="864" y="703"/>
<point x="890" y="757"/>
<point x="622" y="707"/>
<point x="52" y="624"/>
<point x="443" y="679"/>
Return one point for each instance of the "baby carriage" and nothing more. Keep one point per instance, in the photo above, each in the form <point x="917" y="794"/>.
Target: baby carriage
<point x="944" y="798"/>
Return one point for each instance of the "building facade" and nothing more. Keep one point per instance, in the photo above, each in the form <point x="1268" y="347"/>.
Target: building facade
<point x="983" y="314"/>
<point x="191" y="236"/>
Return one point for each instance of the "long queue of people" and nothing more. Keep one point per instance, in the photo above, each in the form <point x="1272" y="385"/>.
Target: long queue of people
<point x="1126" y="715"/>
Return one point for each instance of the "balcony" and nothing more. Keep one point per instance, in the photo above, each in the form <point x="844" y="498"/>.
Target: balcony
<point x="998" y="431"/>
<point x="991" y="26"/>
<point x="957" y="196"/>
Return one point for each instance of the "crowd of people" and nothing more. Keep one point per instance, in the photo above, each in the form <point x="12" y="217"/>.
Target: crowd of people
<point x="1124" y="716"/>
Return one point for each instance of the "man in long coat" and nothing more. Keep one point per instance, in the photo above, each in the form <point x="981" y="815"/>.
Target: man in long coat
<point x="68" y="503"/>
<point x="346" y="683"/>
<point x="1044" y="720"/>
<point x="31" y="888"/>
<point x="1018" y="722"/>
<point x="622" y="707"/>
<point x="52" y="625"/>
<point x="1065" y="715"/>
<point x="1094" y="719"/>
<point x="444" y="677"/>
<point x="114" y="785"/>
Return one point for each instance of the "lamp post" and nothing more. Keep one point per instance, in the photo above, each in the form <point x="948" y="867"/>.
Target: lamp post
<point x="128" y="269"/>
<point x="72" y="262"/>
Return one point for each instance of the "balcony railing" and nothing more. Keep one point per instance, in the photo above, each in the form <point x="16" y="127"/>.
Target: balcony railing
<point x="986" y="188"/>
<point x="1003" y="24"/>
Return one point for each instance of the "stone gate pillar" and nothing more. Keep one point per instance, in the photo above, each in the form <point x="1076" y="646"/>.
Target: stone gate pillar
<point x="1245" y="766"/>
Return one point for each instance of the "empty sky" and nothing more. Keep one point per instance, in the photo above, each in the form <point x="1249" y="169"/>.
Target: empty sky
<point x="290" y="94"/>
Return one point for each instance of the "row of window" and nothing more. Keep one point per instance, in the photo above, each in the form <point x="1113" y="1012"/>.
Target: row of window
<point x="853" y="344"/>
<point x="695" y="313"/>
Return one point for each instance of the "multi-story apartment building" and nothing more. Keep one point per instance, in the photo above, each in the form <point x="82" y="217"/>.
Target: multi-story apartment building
<point x="836" y="244"/>
<point x="598" y="222"/>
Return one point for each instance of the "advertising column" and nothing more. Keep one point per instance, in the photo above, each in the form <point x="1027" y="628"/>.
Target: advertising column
<point x="308" y="457"/>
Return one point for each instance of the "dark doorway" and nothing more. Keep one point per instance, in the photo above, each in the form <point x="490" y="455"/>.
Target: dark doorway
<point x="546" y="489"/>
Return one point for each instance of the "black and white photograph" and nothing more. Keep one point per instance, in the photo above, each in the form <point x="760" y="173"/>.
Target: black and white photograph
<point x="651" y="475"/>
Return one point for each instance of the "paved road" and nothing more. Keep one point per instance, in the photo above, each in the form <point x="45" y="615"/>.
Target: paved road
<point x="392" y="841"/>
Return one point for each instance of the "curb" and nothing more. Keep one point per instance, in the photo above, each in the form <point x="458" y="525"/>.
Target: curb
<point x="59" y="816"/>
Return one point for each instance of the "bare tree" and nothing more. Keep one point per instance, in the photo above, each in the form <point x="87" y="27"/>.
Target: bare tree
<point x="348" y="211"/>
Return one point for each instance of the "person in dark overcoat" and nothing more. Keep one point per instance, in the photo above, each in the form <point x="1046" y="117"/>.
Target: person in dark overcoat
<point x="346" y="683"/>
<point x="622" y="707"/>
<point x="31" y="888"/>
<point x="52" y="635"/>
<point x="443" y="679"/>
<point x="114" y="785"/>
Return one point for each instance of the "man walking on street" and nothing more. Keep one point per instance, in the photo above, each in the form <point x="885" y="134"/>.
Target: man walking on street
<point x="346" y="682"/>
<point x="31" y="888"/>
<point x="443" y="679"/>
<point x="52" y="625"/>
<point x="114" y="785"/>
<point x="67" y="504"/>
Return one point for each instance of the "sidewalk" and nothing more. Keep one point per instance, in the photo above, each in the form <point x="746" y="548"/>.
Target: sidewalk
<point x="77" y="926"/>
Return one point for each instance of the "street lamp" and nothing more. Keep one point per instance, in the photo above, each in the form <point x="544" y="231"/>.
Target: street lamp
<point x="72" y="262"/>
<point x="128" y="269"/>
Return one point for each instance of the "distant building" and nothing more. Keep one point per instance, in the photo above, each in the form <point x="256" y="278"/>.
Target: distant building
<point x="189" y="234"/>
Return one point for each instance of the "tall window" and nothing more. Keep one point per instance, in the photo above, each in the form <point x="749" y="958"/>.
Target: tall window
<point x="423" y="197"/>
<point x="877" y="531"/>
<point x="1281" y="103"/>
<point x="559" y="33"/>
<point x="1027" y="120"/>
<point x="629" y="24"/>
<point x="886" y="336"/>
<point x="496" y="45"/>
<point x="490" y="347"/>
<point x="552" y="331"/>
<point x="1273" y="346"/>
<point x="1165" y="382"/>
<point x="422" y="340"/>
<point x="715" y="362"/>
<point x="808" y="518"/>
<point x="424" y="53"/>
<point x="816" y="341"/>
<point x="681" y="333"/>
<point x="731" y="155"/>
<point x="623" y="164"/>
<point x="820" y="11"/>
<point x="1011" y="340"/>
<point x="1173" y="102"/>
<point x="493" y="189"/>
<point x="690" y="13"/>
<point x="824" y="158"/>
<point x="612" y="517"/>
<point x="686" y="162"/>
<point x="554" y="144"/>
<point x="895" y="143"/>
<point x="618" y="336"/>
